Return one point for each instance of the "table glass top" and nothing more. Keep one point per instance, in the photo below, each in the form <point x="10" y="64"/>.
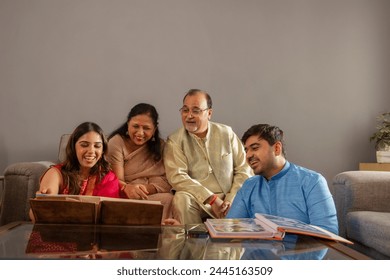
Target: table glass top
<point x="191" y="242"/>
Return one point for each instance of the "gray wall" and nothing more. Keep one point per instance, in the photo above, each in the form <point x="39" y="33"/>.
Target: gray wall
<point x="318" y="69"/>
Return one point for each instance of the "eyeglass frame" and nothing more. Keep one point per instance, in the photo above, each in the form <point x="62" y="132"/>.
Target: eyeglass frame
<point x="195" y="111"/>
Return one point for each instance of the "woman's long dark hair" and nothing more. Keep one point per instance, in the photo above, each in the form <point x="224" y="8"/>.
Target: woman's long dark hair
<point x="154" y="144"/>
<point x="71" y="165"/>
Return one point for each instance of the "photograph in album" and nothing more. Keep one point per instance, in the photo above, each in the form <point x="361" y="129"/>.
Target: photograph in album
<point x="265" y="226"/>
<point x="240" y="228"/>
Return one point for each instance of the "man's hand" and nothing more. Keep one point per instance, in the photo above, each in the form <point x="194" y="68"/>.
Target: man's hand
<point x="170" y="222"/>
<point x="220" y="208"/>
<point x="226" y="206"/>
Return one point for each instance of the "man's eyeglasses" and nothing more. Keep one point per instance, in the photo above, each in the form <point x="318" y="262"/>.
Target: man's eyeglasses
<point x="195" y="111"/>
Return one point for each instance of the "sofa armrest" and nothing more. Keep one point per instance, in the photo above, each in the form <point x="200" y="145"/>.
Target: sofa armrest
<point x="21" y="181"/>
<point x="360" y="191"/>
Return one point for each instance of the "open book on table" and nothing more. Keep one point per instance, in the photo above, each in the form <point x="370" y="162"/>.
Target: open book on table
<point x="265" y="226"/>
<point x="80" y="209"/>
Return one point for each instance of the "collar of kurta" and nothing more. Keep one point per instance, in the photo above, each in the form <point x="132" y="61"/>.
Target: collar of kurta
<point x="202" y="139"/>
<point x="282" y="172"/>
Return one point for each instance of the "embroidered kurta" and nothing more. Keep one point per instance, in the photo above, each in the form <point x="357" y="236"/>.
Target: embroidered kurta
<point x="193" y="167"/>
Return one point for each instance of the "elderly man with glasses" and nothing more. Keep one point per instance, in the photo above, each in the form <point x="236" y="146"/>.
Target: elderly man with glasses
<point x="204" y="162"/>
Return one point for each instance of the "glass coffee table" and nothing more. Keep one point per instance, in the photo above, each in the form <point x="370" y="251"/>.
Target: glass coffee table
<point x="24" y="240"/>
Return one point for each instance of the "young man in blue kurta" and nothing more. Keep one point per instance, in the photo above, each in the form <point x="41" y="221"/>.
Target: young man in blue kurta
<point x="279" y="187"/>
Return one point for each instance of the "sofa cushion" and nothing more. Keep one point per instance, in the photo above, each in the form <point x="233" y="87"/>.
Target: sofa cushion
<point x="62" y="147"/>
<point x="20" y="184"/>
<point x="371" y="229"/>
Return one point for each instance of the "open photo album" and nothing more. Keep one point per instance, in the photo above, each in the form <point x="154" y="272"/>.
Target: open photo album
<point x="80" y="209"/>
<point x="265" y="226"/>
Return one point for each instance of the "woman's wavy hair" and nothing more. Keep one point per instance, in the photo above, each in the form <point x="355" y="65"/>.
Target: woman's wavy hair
<point x="71" y="165"/>
<point x="154" y="144"/>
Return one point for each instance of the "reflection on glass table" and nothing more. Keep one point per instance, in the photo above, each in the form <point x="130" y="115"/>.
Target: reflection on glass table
<point x="46" y="241"/>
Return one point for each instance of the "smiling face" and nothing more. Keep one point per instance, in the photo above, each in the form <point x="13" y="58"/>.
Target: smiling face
<point x="262" y="157"/>
<point x="89" y="149"/>
<point x="197" y="122"/>
<point x="141" y="129"/>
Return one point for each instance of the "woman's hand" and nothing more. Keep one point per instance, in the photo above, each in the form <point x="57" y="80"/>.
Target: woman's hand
<point x="135" y="191"/>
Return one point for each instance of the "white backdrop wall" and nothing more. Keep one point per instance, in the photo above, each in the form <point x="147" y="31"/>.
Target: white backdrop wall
<point x="319" y="69"/>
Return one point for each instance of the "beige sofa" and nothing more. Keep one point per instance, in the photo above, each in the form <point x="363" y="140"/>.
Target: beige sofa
<point x="362" y="201"/>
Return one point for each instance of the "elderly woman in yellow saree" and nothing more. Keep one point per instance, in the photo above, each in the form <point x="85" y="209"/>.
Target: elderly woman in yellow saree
<point x="135" y="155"/>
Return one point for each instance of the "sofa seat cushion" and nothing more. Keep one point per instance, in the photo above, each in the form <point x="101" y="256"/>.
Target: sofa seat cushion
<point x="371" y="229"/>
